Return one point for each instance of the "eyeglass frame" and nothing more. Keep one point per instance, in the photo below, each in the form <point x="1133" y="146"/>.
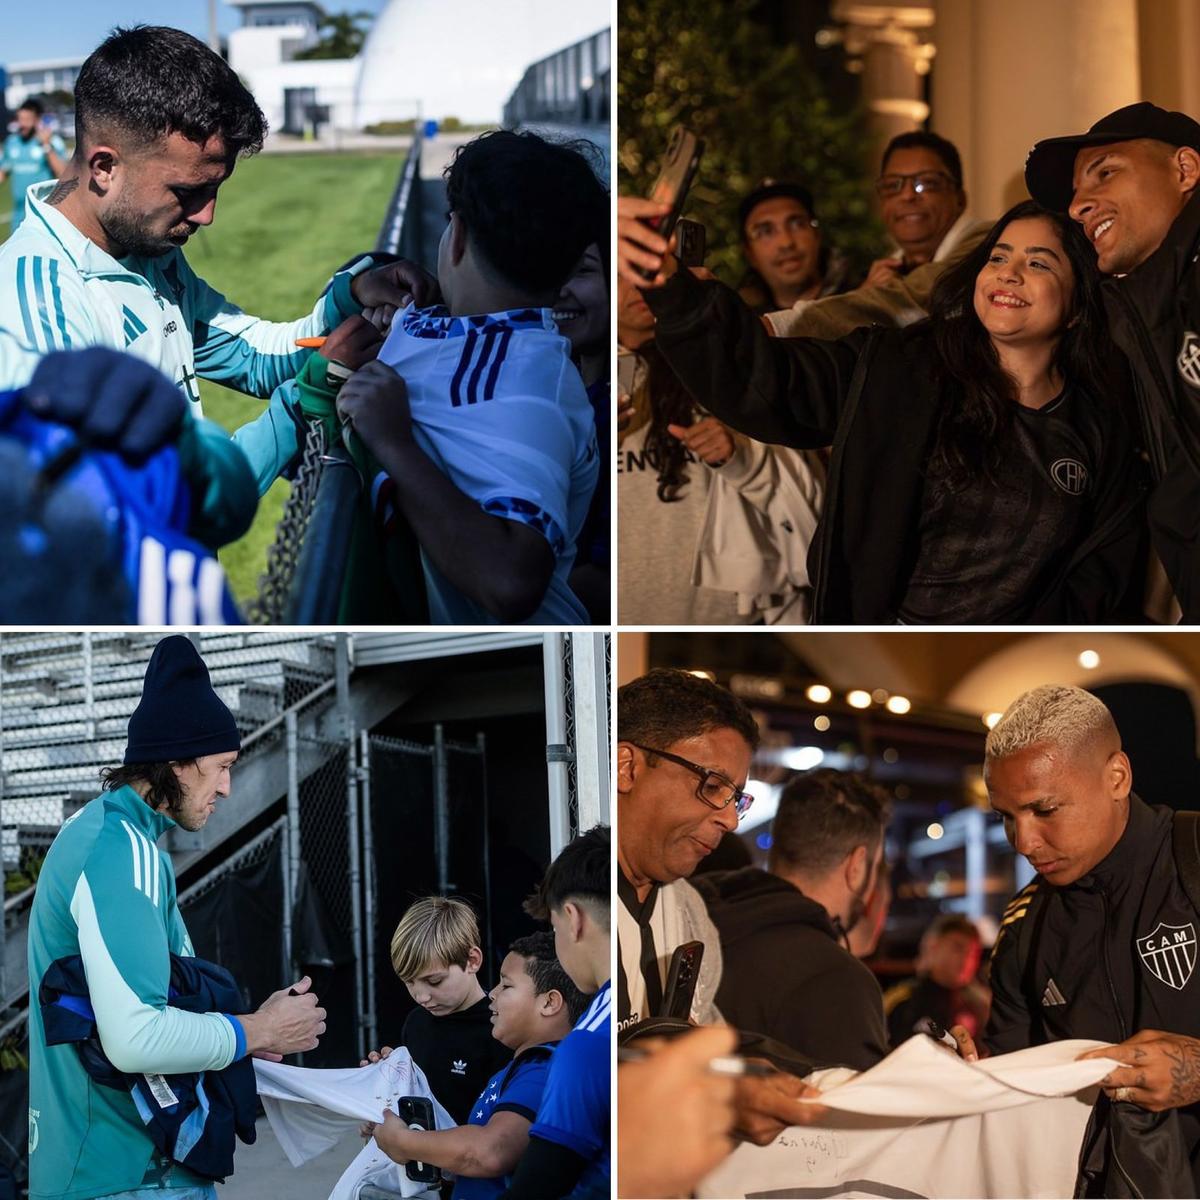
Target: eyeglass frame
<point x="704" y="773"/>
<point x="914" y="177"/>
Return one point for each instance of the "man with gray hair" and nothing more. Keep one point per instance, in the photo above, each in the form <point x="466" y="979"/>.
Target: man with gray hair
<point x="1102" y="944"/>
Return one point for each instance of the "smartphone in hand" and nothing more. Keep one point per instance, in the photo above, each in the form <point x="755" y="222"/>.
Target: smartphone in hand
<point x="674" y="179"/>
<point x="417" y="1113"/>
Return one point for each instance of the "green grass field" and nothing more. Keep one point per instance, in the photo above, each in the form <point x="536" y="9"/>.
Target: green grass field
<point x="283" y="224"/>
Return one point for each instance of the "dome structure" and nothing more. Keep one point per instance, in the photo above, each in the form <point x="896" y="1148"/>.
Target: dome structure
<point x="462" y="58"/>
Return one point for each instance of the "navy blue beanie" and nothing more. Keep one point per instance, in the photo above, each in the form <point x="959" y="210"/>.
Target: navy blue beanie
<point x="179" y="715"/>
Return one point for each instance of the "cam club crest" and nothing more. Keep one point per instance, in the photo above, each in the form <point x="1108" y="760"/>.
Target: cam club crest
<point x="1188" y="361"/>
<point x="1070" y="475"/>
<point x="1170" y="953"/>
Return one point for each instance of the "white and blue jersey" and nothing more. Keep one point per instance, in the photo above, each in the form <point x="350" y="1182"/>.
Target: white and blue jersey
<point x="26" y="162"/>
<point x="517" y="1087"/>
<point x="500" y="408"/>
<point x="576" y="1103"/>
<point x="145" y="511"/>
<point x="60" y="291"/>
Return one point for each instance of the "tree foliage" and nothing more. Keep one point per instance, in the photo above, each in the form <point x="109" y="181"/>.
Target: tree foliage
<point x="760" y="110"/>
<point x="342" y="35"/>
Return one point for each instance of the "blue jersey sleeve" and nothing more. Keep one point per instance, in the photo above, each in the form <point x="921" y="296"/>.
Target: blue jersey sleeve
<point x="575" y="1106"/>
<point x="523" y="1095"/>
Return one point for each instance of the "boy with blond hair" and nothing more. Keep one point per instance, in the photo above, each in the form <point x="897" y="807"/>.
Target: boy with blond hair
<point x="533" y="1007"/>
<point x="435" y="952"/>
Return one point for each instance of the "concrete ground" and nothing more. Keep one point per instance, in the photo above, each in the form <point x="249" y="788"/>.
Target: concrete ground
<point x="263" y="1171"/>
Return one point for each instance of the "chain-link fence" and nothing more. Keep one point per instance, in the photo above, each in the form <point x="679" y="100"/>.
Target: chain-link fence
<point x="425" y="819"/>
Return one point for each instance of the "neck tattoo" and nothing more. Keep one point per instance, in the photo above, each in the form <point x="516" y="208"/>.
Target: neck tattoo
<point x="62" y="191"/>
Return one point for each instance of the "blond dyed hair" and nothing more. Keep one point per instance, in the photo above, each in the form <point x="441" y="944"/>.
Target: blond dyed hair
<point x="1054" y="714"/>
<point x="435" y="931"/>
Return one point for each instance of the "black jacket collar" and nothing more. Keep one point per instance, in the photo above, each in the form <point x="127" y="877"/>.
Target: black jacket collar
<point x="1153" y="286"/>
<point x="1127" y="860"/>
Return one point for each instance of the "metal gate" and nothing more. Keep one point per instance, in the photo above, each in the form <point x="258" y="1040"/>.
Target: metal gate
<point x="381" y="821"/>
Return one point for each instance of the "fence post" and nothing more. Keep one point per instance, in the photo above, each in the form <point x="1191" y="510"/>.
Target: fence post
<point x="292" y="833"/>
<point x="441" y="810"/>
<point x="354" y="881"/>
<point x="558" y="753"/>
<point x="481" y="742"/>
<point x="590" y="680"/>
<point x="346" y="735"/>
<point x="364" y="779"/>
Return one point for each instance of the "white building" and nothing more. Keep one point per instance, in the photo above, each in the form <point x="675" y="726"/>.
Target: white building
<point x="37" y="78"/>
<point x="460" y="58"/>
<point x="290" y="91"/>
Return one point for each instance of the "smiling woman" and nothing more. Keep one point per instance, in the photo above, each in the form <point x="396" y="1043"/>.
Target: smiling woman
<point x="982" y="468"/>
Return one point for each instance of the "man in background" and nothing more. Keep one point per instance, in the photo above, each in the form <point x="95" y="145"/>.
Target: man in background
<point x="944" y="989"/>
<point x="789" y="971"/>
<point x="34" y="153"/>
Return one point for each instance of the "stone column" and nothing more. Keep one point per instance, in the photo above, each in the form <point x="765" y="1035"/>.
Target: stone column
<point x="1168" y="39"/>
<point x="884" y="41"/>
<point x="1009" y="72"/>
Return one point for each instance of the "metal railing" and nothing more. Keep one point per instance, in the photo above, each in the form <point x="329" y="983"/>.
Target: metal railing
<point x="400" y="232"/>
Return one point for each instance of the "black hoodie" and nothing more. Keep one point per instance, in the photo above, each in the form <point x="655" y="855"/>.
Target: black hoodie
<point x="786" y="975"/>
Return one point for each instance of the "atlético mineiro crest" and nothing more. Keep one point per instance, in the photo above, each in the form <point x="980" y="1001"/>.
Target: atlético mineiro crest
<point x="1170" y="953"/>
<point x="1188" y="361"/>
<point x="1070" y="475"/>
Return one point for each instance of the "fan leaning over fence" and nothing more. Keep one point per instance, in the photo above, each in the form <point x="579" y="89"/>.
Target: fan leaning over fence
<point x="473" y="424"/>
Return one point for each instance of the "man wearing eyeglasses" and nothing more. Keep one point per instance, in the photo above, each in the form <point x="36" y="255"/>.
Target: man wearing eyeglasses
<point x="684" y="747"/>
<point x="781" y="241"/>
<point x="920" y="189"/>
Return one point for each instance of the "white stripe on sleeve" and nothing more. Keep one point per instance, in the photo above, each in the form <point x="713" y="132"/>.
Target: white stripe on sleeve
<point x="137" y="856"/>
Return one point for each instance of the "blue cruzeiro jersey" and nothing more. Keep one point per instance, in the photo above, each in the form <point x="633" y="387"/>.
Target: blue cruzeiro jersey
<point x="498" y="405"/>
<point x="575" y="1106"/>
<point x="516" y="1087"/>
<point x="27" y="163"/>
<point x="172" y="578"/>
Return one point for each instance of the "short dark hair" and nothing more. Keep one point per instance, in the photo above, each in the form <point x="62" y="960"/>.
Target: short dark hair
<point x="772" y="190"/>
<point x="665" y="705"/>
<point x="924" y="140"/>
<point x="547" y="973"/>
<point x="166" y="792"/>
<point x="532" y="207"/>
<point x="822" y="816"/>
<point x="151" y="81"/>
<point x="34" y="106"/>
<point x="582" y="871"/>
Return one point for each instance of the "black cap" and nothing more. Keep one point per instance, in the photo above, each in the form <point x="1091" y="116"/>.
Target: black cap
<point x="1050" y="167"/>
<point x="768" y="190"/>
<point x="179" y="715"/>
